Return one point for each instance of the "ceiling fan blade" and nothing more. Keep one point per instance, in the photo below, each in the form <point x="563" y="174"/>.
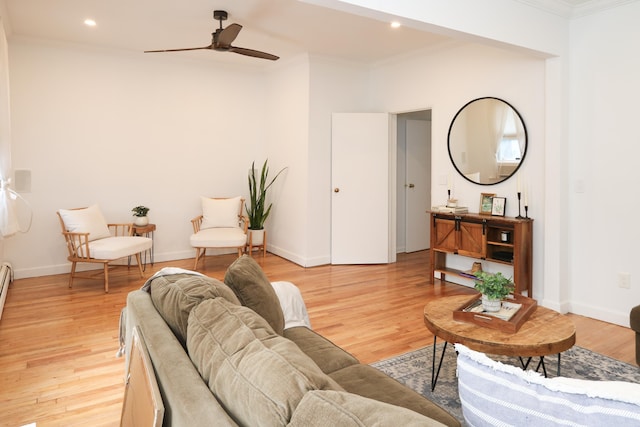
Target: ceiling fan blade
<point x="178" y="50"/>
<point x="227" y="36"/>
<point x="254" y="53"/>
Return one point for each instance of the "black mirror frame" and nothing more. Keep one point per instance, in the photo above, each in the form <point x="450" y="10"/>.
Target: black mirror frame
<point x="526" y="140"/>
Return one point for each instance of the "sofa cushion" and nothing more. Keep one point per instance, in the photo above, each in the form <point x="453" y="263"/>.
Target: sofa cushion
<point x="493" y="393"/>
<point x="253" y="289"/>
<point x="257" y="375"/>
<point x="175" y="295"/>
<point x="325" y="408"/>
<point x="367" y="381"/>
<point x="328" y="356"/>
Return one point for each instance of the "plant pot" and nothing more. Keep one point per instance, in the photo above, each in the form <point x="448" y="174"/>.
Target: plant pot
<point x="491" y="305"/>
<point x="256" y="237"/>
<point x="141" y="220"/>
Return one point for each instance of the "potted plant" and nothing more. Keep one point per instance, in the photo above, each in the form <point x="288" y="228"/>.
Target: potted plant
<point x="140" y="214"/>
<point x="494" y="288"/>
<point x="257" y="210"/>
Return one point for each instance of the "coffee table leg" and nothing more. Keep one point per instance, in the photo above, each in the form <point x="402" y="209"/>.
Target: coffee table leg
<point x="540" y="363"/>
<point x="434" y="374"/>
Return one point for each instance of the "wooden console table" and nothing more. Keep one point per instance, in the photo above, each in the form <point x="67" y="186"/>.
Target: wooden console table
<point x="504" y="240"/>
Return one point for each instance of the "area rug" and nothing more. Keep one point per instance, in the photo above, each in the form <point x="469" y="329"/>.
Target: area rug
<point x="414" y="370"/>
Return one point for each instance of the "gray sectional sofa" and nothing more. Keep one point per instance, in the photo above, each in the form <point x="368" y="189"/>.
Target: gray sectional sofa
<point x="221" y="356"/>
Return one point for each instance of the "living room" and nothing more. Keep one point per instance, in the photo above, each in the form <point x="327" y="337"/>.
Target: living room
<point x="96" y="124"/>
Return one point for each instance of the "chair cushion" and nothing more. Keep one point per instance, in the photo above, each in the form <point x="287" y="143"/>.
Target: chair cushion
<point x="119" y="247"/>
<point x="328" y="408"/>
<point x="218" y="238"/>
<point x="175" y="295"/>
<point x="493" y="393"/>
<point x="220" y="212"/>
<point x="87" y="220"/>
<point x="253" y="289"/>
<point x="258" y="376"/>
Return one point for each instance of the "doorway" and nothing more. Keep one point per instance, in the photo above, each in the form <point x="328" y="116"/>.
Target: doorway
<point x="413" y="190"/>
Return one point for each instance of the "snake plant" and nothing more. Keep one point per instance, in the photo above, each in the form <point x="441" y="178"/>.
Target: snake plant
<point x="257" y="210"/>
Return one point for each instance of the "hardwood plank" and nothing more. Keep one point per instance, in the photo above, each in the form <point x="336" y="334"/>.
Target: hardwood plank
<point x="58" y="345"/>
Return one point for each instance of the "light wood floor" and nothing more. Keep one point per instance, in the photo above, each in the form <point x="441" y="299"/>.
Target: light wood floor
<point x="58" y="345"/>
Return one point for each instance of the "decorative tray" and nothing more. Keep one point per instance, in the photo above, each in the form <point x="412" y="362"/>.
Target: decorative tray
<point x="518" y="309"/>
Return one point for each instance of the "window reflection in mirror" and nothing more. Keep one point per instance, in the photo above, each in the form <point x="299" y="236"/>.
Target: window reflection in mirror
<point x="487" y="141"/>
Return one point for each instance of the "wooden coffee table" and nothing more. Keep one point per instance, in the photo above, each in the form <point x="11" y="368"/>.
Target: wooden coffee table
<point x="546" y="332"/>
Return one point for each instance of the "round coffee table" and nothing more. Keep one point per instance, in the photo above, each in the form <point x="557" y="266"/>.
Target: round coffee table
<point x="546" y="332"/>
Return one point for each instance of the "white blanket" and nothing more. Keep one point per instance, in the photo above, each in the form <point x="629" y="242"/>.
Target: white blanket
<point x="293" y="307"/>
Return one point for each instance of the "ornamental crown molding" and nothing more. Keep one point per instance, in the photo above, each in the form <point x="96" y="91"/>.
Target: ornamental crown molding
<point x="574" y="8"/>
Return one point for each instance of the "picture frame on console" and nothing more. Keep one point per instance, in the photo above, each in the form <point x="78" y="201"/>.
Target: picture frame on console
<point x="498" y="206"/>
<point x="486" y="203"/>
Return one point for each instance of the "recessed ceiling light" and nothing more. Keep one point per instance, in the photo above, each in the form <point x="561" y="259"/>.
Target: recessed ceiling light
<point x="395" y="24"/>
<point x="89" y="22"/>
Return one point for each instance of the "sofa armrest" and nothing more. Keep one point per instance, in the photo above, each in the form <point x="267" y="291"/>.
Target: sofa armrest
<point x="187" y="399"/>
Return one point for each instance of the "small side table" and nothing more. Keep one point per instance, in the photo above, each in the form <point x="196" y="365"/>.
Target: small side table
<point x="146" y="231"/>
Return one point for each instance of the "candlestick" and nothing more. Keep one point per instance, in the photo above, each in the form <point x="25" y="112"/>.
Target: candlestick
<point x="526" y="211"/>
<point x="519" y="216"/>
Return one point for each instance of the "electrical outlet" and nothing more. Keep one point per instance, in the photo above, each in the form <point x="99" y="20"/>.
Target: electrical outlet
<point x="624" y="280"/>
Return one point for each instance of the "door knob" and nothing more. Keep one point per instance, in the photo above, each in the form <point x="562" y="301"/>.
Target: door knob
<point x="409" y="185"/>
<point x="336" y="190"/>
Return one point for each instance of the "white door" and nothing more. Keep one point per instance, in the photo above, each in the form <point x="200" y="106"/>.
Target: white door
<point x="418" y="184"/>
<point x="360" y="181"/>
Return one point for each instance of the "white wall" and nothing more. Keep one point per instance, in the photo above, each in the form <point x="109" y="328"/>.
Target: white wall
<point x="441" y="79"/>
<point x="335" y="86"/>
<point x="122" y="129"/>
<point x="287" y="140"/>
<point x="605" y="147"/>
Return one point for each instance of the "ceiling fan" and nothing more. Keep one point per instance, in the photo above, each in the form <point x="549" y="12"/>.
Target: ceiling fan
<point x="222" y="39"/>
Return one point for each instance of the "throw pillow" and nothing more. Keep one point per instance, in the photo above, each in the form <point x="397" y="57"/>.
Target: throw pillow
<point x="220" y="212"/>
<point x="174" y="296"/>
<point x="258" y="376"/>
<point x="326" y="408"/>
<point x="253" y="289"/>
<point x="86" y="220"/>
<point x="493" y="393"/>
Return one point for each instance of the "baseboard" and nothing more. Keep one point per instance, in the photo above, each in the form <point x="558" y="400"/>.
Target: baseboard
<point x="610" y="316"/>
<point x="66" y="267"/>
<point x="300" y="260"/>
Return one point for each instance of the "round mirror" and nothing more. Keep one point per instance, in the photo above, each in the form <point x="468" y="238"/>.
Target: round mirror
<point x="487" y="141"/>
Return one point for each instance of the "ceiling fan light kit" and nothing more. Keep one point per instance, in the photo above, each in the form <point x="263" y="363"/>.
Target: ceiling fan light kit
<point x="221" y="40"/>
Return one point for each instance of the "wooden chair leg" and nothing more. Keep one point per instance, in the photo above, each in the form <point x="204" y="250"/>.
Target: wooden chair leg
<point x="200" y="252"/>
<point x="139" y="260"/>
<point x="73" y="272"/>
<point x="106" y="277"/>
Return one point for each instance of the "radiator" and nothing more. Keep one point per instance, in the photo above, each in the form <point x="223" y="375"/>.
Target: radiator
<point x="6" y="277"/>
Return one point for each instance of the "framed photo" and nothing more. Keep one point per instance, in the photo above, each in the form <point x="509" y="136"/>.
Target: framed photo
<point x="486" y="203"/>
<point x="498" y="205"/>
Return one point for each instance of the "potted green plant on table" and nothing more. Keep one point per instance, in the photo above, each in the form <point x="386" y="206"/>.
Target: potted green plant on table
<point x="257" y="210"/>
<point x="140" y="214"/>
<point x="494" y="288"/>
